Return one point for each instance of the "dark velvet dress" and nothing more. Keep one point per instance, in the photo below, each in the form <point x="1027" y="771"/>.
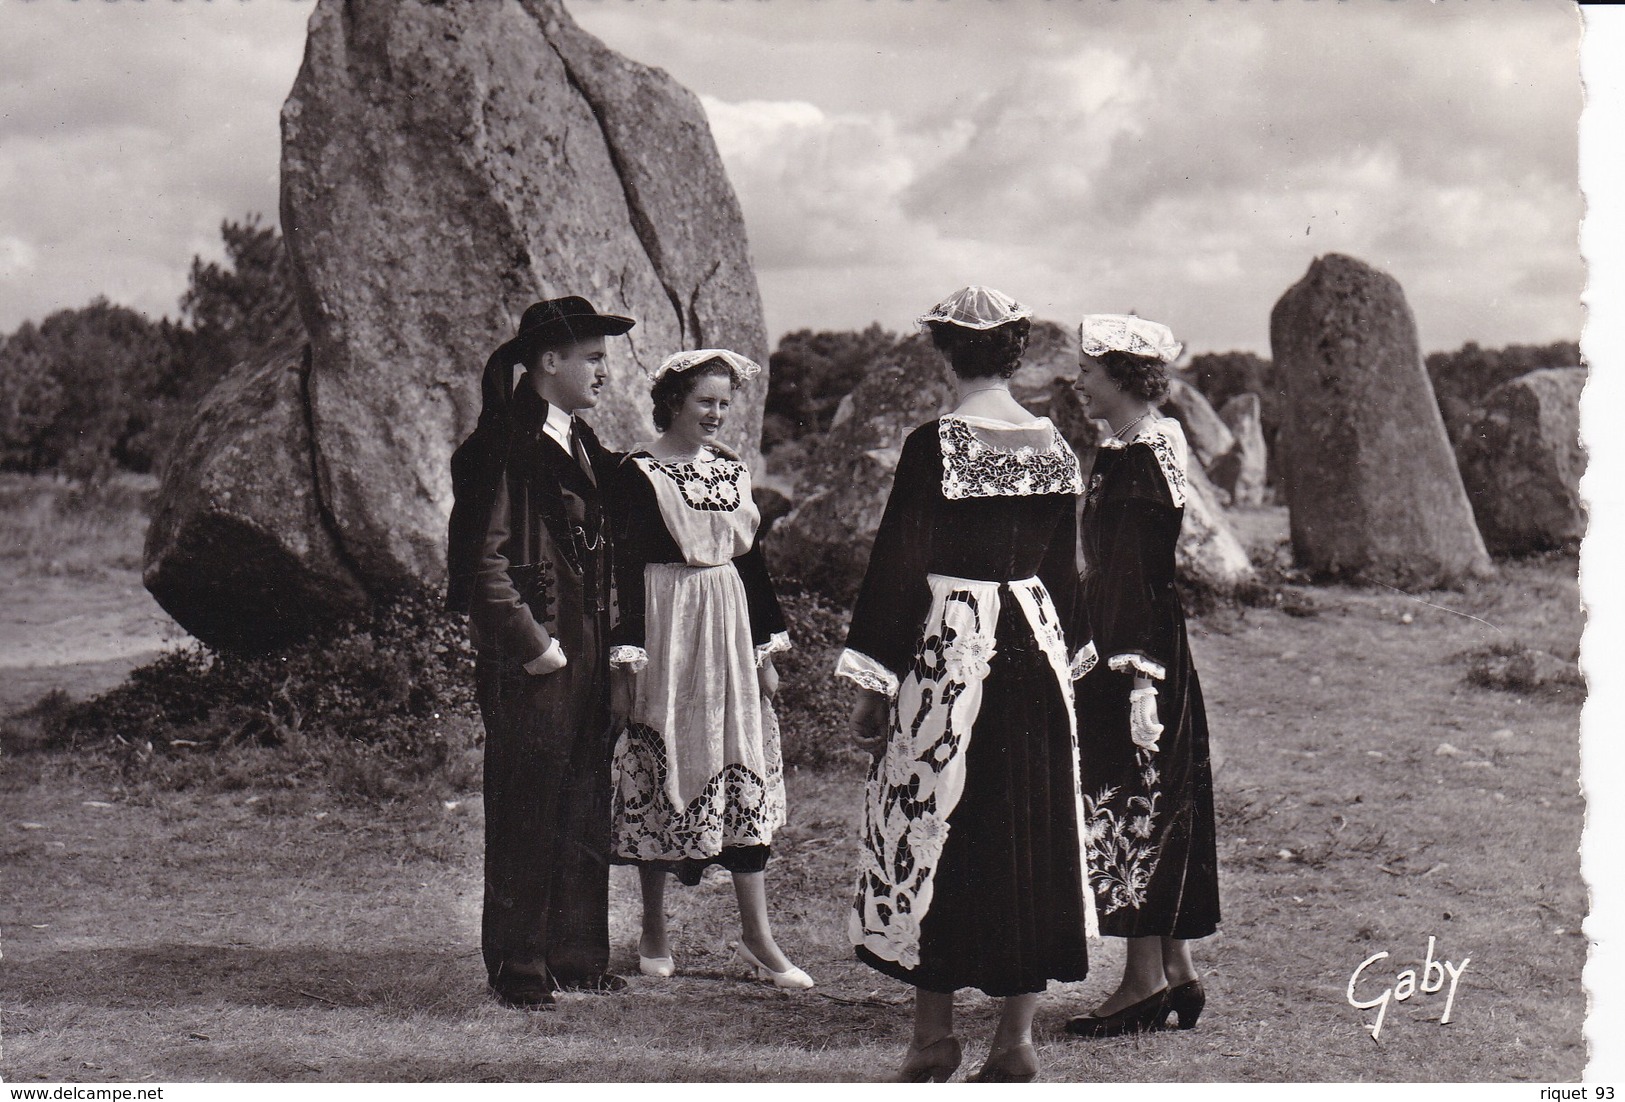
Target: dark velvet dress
<point x="972" y="862"/>
<point x="1152" y="856"/>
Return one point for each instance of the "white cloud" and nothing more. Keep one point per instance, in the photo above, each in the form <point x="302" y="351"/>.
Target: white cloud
<point x="1181" y="159"/>
<point x="128" y="133"/>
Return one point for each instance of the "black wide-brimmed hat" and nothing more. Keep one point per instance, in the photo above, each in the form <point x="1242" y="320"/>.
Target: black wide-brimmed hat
<point x="559" y="321"/>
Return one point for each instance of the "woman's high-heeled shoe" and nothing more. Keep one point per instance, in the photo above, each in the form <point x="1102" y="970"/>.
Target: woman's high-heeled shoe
<point x="658" y="967"/>
<point x="935" y="1063"/>
<point x="1187" y="1001"/>
<point x="1013" y="1065"/>
<point x="1146" y="1015"/>
<point x="791" y="979"/>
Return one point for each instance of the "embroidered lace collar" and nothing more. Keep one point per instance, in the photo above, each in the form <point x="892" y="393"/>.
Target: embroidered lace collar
<point x="1166" y="439"/>
<point x="982" y="457"/>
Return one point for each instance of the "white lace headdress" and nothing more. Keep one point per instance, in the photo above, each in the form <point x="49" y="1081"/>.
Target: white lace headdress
<point x="742" y="369"/>
<point x="975" y="307"/>
<point x="1127" y="333"/>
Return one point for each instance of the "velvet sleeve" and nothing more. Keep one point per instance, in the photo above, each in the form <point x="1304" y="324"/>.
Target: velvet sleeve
<point x="498" y="615"/>
<point x="631" y="505"/>
<point x="1137" y="616"/>
<point x="895" y="597"/>
<point x="766" y="618"/>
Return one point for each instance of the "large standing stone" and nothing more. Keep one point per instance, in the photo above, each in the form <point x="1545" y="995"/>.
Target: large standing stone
<point x="446" y="163"/>
<point x="1369" y="475"/>
<point x="1244" y="469"/>
<point x="237" y="551"/>
<point x="1522" y="462"/>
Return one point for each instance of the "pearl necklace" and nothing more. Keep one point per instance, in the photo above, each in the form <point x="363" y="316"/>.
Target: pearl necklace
<point x="1119" y="432"/>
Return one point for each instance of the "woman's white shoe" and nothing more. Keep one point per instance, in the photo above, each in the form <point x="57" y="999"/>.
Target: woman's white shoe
<point x="659" y="967"/>
<point x="792" y="979"/>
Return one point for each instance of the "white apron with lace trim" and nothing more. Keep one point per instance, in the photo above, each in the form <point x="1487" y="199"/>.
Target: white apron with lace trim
<point x="699" y="690"/>
<point x="918" y="783"/>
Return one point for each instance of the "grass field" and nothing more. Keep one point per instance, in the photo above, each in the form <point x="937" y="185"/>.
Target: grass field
<point x="1370" y="797"/>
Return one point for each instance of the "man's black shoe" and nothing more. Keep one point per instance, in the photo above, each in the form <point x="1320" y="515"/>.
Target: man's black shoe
<point x="601" y="983"/>
<point x="529" y="993"/>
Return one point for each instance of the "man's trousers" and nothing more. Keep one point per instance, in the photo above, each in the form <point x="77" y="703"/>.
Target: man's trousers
<point x="547" y="832"/>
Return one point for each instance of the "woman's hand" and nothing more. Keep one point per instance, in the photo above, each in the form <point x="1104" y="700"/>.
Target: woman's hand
<point x="1143" y="726"/>
<point x="868" y="722"/>
<point x="622" y="685"/>
<point x="767" y="678"/>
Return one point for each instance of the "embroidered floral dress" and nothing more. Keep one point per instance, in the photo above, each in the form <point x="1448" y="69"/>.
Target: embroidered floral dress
<point x="698" y="776"/>
<point x="972" y="867"/>
<point x="1152" y="854"/>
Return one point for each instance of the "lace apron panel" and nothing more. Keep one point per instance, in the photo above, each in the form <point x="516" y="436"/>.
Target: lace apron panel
<point x="914" y="788"/>
<point x="699" y="690"/>
<point x="1040" y="612"/>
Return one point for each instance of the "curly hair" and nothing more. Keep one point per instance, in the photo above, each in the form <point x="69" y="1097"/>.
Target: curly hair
<point x="982" y="353"/>
<point x="1142" y="376"/>
<point x="672" y="389"/>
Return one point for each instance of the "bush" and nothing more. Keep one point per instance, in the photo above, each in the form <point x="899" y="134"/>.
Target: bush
<point x="1515" y="668"/>
<point x="812" y="704"/>
<point x="373" y="709"/>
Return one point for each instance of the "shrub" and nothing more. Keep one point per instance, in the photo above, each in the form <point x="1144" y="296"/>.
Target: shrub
<point x="373" y="709"/>
<point x="1515" y="668"/>
<point x="813" y="705"/>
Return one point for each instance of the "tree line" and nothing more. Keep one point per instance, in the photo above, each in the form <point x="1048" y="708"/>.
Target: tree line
<point x="100" y="388"/>
<point x="812" y="371"/>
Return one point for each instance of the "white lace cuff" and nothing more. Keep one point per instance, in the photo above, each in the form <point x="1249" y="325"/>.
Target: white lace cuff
<point x="859" y="667"/>
<point x="1137" y="663"/>
<point x="778" y="641"/>
<point x="634" y="657"/>
<point x="1085" y="660"/>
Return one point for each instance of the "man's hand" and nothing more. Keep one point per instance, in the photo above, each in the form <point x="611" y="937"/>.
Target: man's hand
<point x="549" y="661"/>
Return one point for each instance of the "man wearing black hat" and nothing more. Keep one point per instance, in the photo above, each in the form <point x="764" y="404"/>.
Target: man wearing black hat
<point x="529" y="561"/>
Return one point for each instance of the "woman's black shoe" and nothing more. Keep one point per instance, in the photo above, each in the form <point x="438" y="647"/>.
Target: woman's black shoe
<point x="1146" y="1015"/>
<point x="1187" y="1001"/>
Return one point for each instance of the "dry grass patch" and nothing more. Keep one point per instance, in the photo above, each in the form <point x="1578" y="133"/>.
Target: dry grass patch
<point x="250" y="915"/>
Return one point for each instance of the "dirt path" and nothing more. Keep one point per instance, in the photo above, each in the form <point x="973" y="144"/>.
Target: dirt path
<point x="81" y="634"/>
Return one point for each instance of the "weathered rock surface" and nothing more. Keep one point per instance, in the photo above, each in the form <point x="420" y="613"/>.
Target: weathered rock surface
<point x="1205" y="431"/>
<point x="843" y="482"/>
<point x="1369" y="475"/>
<point x="445" y="165"/>
<point x="1208" y="554"/>
<point x="1521" y="463"/>
<point x="1242" y="471"/>
<point x="237" y="551"/>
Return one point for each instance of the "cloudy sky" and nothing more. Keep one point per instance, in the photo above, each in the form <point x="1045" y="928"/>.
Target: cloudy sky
<point x="1179" y="158"/>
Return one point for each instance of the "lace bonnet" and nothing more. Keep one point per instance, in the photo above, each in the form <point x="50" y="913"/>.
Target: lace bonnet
<point x="975" y="307"/>
<point x="743" y="370"/>
<point x="1101" y="333"/>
